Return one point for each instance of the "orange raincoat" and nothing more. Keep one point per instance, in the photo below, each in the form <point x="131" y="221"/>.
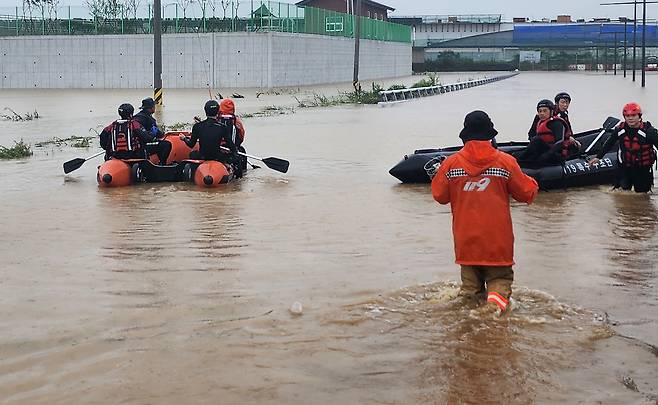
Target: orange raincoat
<point x="477" y="182"/>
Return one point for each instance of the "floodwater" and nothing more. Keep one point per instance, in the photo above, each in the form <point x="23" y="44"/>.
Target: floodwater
<point x="169" y="294"/>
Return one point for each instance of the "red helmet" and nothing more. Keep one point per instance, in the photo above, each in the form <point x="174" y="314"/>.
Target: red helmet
<point x="632" y="109"/>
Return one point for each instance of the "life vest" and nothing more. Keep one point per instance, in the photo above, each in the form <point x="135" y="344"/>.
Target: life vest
<point x="565" y="117"/>
<point x="634" y="147"/>
<point x="229" y="121"/>
<point x="124" y="137"/>
<point x="546" y="135"/>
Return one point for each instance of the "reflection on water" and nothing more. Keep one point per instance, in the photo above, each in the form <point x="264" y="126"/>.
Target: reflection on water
<point x="634" y="243"/>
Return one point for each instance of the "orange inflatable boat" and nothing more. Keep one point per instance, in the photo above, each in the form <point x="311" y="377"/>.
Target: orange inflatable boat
<point x="124" y="172"/>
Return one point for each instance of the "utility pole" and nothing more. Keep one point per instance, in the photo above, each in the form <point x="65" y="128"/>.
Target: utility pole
<point x="634" y="34"/>
<point x="157" y="52"/>
<point x="644" y="41"/>
<point x="625" y="44"/>
<point x="357" y="39"/>
<point x="614" y="66"/>
<point x="644" y="32"/>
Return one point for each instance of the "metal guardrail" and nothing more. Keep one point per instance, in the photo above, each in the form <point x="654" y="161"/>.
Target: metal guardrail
<point x="392" y="96"/>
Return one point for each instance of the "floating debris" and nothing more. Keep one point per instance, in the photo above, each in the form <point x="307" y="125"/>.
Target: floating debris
<point x="18" y="151"/>
<point x="14" y="116"/>
<point x="296" y="308"/>
<point x="178" y="126"/>
<point x="629" y="383"/>
<point x="73" y="141"/>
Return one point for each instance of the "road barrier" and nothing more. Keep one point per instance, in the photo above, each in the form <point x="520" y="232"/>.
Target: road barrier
<point x="392" y="96"/>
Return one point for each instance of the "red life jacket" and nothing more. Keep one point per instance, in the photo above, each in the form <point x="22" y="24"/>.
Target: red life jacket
<point x="546" y="135"/>
<point x="124" y="137"/>
<point x="634" y="148"/>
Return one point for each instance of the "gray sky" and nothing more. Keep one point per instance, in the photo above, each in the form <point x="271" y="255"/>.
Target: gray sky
<point x="515" y="8"/>
<point x="509" y="8"/>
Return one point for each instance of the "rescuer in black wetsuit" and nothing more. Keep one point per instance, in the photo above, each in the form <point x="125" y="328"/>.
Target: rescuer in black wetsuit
<point x="210" y="134"/>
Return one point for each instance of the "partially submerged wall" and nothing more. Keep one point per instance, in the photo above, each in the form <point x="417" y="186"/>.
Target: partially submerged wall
<point x="221" y="60"/>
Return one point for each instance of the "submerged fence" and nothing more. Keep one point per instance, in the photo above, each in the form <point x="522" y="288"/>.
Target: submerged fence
<point x="195" y="17"/>
<point x="390" y="96"/>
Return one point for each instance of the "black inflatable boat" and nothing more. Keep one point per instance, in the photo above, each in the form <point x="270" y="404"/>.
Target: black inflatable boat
<point x="421" y="166"/>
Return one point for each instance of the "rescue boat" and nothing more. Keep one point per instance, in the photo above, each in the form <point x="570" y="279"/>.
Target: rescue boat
<point x="422" y="165"/>
<point x="124" y="172"/>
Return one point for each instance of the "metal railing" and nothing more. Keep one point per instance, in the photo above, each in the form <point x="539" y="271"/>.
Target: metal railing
<point x="201" y="16"/>
<point x="390" y="96"/>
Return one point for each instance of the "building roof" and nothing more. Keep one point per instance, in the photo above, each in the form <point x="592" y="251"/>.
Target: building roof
<point x="364" y="2"/>
<point x="261" y="12"/>
<point x="454" y="18"/>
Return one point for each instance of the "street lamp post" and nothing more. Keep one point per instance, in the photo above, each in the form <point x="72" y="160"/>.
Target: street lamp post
<point x="644" y="33"/>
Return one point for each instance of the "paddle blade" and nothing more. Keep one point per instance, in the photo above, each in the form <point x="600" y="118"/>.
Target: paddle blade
<point x="610" y="122"/>
<point x="277" y="164"/>
<point x="72" y="165"/>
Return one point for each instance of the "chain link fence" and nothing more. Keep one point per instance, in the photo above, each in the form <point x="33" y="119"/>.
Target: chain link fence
<point x="102" y="17"/>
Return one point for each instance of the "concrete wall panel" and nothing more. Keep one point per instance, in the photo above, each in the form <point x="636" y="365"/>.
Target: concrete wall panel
<point x="223" y="60"/>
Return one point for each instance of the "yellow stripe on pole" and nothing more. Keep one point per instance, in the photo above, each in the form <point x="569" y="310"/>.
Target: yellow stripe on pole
<point x="157" y="95"/>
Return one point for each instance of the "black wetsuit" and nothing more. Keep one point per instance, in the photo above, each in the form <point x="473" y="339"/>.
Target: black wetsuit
<point x="633" y="175"/>
<point x="159" y="146"/>
<point x="532" y="132"/>
<point x="211" y="134"/>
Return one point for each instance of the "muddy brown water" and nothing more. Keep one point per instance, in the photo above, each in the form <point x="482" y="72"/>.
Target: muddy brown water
<point x="168" y="294"/>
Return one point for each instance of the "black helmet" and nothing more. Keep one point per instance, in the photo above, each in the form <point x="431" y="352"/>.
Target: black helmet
<point x="212" y="108"/>
<point x="147" y="103"/>
<point x="546" y="103"/>
<point x="562" y="96"/>
<point x="126" y="111"/>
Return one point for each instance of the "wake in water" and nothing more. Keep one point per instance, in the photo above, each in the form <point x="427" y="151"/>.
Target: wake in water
<point x="466" y="356"/>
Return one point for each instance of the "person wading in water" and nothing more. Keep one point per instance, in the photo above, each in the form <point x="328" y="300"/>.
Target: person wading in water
<point x="636" y="156"/>
<point x="477" y="182"/>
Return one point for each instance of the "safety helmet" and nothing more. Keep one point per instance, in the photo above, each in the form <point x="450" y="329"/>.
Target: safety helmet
<point x="211" y="108"/>
<point x="126" y="111"/>
<point x="546" y="103"/>
<point x="562" y="96"/>
<point x="632" y="109"/>
<point x="227" y="106"/>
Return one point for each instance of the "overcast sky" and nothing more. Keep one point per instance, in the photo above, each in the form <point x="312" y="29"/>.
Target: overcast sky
<point x="516" y="8"/>
<point x="509" y="8"/>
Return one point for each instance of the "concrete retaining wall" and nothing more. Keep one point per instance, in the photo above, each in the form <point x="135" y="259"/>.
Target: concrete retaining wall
<point x="223" y="60"/>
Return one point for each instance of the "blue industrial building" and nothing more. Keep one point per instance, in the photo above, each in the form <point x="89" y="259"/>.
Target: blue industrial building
<point x="483" y="38"/>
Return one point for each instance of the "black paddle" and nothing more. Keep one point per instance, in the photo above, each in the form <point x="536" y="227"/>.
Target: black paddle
<point x="607" y="126"/>
<point x="75" y="164"/>
<point x="273" y="163"/>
